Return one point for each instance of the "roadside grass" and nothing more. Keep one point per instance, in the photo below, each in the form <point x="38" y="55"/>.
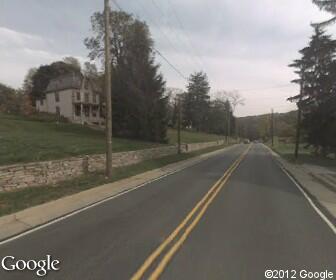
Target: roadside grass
<point x="192" y="137"/>
<point x="11" y="202"/>
<point x="41" y="138"/>
<point x="306" y="155"/>
<point x="24" y="140"/>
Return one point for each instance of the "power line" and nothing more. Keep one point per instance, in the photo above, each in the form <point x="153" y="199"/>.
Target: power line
<point x="154" y="23"/>
<point x="257" y="106"/>
<point x="169" y="63"/>
<point x="266" y="88"/>
<point x="186" y="34"/>
<point x="156" y="50"/>
<point x="177" y="35"/>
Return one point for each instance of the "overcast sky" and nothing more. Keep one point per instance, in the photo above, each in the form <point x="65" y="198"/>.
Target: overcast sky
<point x="241" y="44"/>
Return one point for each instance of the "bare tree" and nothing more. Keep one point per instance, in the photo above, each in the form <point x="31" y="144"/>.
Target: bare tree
<point x="90" y="70"/>
<point x="235" y="99"/>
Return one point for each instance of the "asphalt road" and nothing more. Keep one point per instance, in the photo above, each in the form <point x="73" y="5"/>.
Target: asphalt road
<point x="257" y="220"/>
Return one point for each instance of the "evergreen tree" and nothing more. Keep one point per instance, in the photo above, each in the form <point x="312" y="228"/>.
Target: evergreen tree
<point x="317" y="75"/>
<point x="139" y="103"/>
<point x="196" y="102"/>
<point x="329" y="6"/>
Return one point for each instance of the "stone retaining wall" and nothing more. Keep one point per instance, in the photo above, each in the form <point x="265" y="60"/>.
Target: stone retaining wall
<point x="200" y="146"/>
<point x="50" y="172"/>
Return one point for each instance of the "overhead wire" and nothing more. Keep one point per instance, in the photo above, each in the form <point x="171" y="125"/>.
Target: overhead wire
<point x="156" y="50"/>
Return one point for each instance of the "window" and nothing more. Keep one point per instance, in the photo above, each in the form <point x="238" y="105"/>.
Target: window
<point x="58" y="111"/>
<point x="57" y="96"/>
<point x="41" y="102"/>
<point x="78" y="95"/>
<point x="94" y="97"/>
<point x="78" y="110"/>
<point x="94" y="111"/>
<point x="102" y="112"/>
<point x="86" y="100"/>
<point x="86" y="110"/>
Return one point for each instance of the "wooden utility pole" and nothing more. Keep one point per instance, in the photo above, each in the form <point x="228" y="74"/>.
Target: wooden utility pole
<point x="179" y="125"/>
<point x="298" y="125"/>
<point x="108" y="129"/>
<point x="237" y="130"/>
<point x="228" y="126"/>
<point x="272" y="127"/>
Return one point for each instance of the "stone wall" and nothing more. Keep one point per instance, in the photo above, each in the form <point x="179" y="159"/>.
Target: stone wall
<point x="50" y="172"/>
<point x="199" y="146"/>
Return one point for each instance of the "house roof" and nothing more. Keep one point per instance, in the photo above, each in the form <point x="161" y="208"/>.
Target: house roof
<point x="68" y="81"/>
<point x="71" y="81"/>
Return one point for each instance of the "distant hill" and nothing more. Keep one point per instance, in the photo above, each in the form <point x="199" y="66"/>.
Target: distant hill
<point x="259" y="127"/>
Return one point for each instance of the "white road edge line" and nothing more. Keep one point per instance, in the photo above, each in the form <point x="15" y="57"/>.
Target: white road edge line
<point x="318" y="211"/>
<point x="56" y="220"/>
<point x="75" y="212"/>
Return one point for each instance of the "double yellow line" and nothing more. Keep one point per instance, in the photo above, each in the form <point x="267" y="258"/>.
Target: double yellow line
<point x="202" y="206"/>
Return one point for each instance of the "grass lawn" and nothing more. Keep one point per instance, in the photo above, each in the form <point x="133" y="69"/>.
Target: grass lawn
<point x="23" y="140"/>
<point x="192" y="137"/>
<point x="11" y="202"/>
<point x="305" y="155"/>
<point x="26" y="140"/>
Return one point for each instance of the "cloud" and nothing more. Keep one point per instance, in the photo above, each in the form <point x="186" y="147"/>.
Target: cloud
<point x="240" y="44"/>
<point x="21" y="51"/>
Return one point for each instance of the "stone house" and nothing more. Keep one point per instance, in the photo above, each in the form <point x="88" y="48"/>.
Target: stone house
<point x="75" y="97"/>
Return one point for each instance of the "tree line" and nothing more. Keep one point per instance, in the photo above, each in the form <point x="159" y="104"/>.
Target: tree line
<point x="259" y="127"/>
<point x="202" y="112"/>
<point x="143" y="108"/>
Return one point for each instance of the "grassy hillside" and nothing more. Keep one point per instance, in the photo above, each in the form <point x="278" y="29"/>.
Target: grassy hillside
<point x="192" y="137"/>
<point x="25" y="140"/>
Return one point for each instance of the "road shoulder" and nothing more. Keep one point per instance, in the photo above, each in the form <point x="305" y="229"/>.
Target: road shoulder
<point x="25" y="221"/>
<point x="320" y="194"/>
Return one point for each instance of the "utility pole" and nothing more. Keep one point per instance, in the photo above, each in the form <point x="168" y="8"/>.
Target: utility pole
<point x="272" y="127"/>
<point x="179" y="125"/>
<point x="108" y="129"/>
<point x="237" y="130"/>
<point x="298" y="125"/>
<point x="228" y="126"/>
